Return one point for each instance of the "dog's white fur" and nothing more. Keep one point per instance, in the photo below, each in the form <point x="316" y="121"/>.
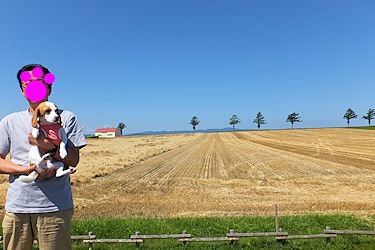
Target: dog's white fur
<point x="45" y="114"/>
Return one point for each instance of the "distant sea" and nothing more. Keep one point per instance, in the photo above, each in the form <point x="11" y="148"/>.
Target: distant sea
<point x="177" y="132"/>
<point x="205" y="131"/>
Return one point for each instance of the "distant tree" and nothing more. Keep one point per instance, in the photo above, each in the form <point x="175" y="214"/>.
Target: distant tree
<point x="293" y="117"/>
<point x="121" y="126"/>
<point x="259" y="119"/>
<point x="369" y="116"/>
<point x="194" y="122"/>
<point x="350" y="114"/>
<point x="234" y="121"/>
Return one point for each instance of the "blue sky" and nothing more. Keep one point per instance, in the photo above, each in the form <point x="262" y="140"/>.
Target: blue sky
<point x="155" y="64"/>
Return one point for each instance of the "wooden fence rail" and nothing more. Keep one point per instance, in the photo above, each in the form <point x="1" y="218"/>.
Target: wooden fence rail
<point x="306" y="236"/>
<point x="231" y="237"/>
<point x="256" y="234"/>
<point x="90" y="236"/>
<point x="160" y="236"/>
<point x="79" y="238"/>
<point x="349" y="232"/>
<point x="207" y="239"/>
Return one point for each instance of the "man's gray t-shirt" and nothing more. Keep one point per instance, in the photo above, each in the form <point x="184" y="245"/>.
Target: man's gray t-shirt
<point x="40" y="196"/>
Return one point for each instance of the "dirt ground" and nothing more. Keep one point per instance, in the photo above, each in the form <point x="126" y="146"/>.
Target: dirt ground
<point x="232" y="173"/>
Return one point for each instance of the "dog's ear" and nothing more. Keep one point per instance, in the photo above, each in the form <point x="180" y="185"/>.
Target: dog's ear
<point x="37" y="113"/>
<point x="59" y="114"/>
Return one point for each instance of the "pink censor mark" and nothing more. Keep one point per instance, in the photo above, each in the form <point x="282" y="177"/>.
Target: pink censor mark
<point x="37" y="72"/>
<point x="49" y="78"/>
<point x="36" y="91"/>
<point x="25" y="76"/>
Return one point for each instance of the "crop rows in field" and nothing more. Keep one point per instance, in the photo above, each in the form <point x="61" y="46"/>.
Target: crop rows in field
<point x="247" y="172"/>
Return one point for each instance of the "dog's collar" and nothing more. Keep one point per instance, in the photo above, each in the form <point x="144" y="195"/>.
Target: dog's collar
<point x="47" y="123"/>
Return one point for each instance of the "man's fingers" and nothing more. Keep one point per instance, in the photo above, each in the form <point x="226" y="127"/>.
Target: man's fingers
<point x="32" y="167"/>
<point x="32" y="140"/>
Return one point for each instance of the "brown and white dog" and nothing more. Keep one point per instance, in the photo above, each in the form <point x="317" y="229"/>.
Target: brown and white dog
<point x="47" y="119"/>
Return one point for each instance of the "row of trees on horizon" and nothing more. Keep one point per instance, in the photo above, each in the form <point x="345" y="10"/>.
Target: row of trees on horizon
<point x="292" y="118"/>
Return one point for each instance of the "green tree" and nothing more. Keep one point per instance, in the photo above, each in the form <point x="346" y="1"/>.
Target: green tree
<point x="194" y="122"/>
<point x="369" y="116"/>
<point x="234" y="121"/>
<point x="350" y="114"/>
<point x="259" y="119"/>
<point x="293" y="117"/>
<point x="121" y="126"/>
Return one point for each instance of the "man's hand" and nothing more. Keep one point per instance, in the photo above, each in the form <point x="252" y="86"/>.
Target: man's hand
<point x="41" y="142"/>
<point x="47" y="173"/>
<point x="29" y="169"/>
<point x="8" y="167"/>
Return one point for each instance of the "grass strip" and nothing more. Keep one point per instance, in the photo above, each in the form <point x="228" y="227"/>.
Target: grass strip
<point x="111" y="228"/>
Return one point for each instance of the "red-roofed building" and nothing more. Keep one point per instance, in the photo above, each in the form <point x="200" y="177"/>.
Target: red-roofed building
<point x="107" y="132"/>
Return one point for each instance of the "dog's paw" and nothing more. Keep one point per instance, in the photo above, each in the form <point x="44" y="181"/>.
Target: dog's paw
<point x="29" y="178"/>
<point x="40" y="169"/>
<point x="45" y="157"/>
<point x="63" y="153"/>
<point x="35" y="132"/>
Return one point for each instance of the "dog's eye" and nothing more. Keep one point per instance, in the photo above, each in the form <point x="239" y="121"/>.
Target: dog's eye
<point x="48" y="111"/>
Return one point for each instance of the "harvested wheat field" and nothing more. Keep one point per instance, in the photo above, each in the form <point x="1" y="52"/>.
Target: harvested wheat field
<point x="231" y="173"/>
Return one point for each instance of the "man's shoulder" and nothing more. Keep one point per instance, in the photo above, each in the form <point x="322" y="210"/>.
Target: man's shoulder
<point x="67" y="117"/>
<point x="66" y="113"/>
<point x="72" y="128"/>
<point x="14" y="115"/>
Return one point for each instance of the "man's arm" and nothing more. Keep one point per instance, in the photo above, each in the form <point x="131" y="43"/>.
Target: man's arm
<point x="8" y="167"/>
<point x="71" y="159"/>
<point x="46" y="145"/>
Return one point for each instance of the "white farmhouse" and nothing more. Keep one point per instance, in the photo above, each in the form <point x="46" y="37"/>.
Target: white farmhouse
<point x="107" y="132"/>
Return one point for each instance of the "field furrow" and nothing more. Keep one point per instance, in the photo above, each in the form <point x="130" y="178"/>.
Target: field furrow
<point x="317" y="170"/>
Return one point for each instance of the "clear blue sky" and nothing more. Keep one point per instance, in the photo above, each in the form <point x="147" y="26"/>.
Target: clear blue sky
<point x="155" y="64"/>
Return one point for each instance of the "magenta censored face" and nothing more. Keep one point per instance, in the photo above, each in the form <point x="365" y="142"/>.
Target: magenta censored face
<point x="36" y="91"/>
<point x="49" y="78"/>
<point x="37" y="73"/>
<point x="25" y="76"/>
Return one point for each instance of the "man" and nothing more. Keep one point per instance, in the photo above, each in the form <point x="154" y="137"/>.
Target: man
<point x="42" y="209"/>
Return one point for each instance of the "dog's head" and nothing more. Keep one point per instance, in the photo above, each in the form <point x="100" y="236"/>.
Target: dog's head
<point x="46" y="112"/>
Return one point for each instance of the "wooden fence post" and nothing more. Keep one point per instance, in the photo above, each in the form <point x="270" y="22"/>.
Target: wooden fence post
<point x="137" y="244"/>
<point x="277" y="218"/>
<point x="231" y="231"/>
<point x="91" y="247"/>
